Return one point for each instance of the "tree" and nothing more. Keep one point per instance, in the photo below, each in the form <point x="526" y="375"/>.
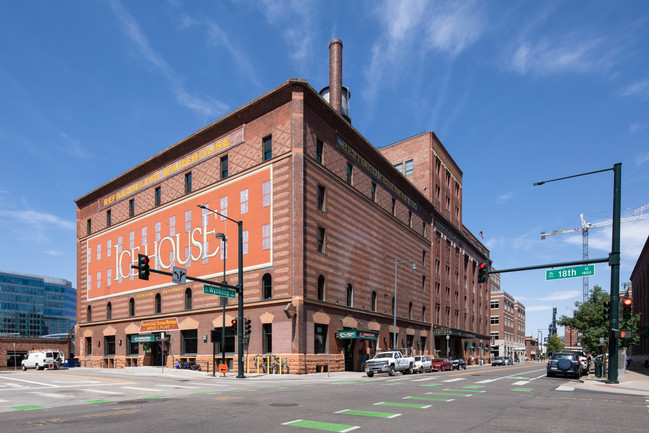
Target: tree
<point x="554" y="344"/>
<point x="588" y="318"/>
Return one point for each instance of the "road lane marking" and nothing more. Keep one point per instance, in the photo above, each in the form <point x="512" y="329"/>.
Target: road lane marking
<point x="426" y="378"/>
<point x="450" y="394"/>
<point x="564" y="388"/>
<point x="90" y="377"/>
<point x="413" y="397"/>
<point x="453" y="380"/>
<point x="462" y="390"/>
<point x="179" y="386"/>
<point x="326" y="426"/>
<point x="369" y="413"/>
<point x="101" y="391"/>
<point x="28" y="407"/>
<point x="487" y="381"/>
<point x="473" y="386"/>
<point x="522" y="389"/>
<point x="135" y="388"/>
<point x="521" y="382"/>
<point x="30" y="381"/>
<point x="48" y="394"/>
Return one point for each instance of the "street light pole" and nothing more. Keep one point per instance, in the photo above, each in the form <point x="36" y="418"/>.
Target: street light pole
<point x="540" y="331"/>
<point x="224" y="300"/>
<point x="394" y="306"/>
<point x="240" y="349"/>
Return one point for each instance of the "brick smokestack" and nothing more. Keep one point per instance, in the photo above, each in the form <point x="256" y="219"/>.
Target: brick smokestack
<point x="336" y="74"/>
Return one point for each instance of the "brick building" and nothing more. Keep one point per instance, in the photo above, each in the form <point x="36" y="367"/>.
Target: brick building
<point x="327" y="220"/>
<point x="640" y="295"/>
<point x="507" y="325"/>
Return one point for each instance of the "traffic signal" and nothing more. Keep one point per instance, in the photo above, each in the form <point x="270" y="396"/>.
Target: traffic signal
<point x="143" y="267"/>
<point x="607" y="311"/>
<point x="234" y="326"/>
<point x="483" y="269"/>
<point x="627" y="307"/>
<point x="626" y="334"/>
<point x="248" y="327"/>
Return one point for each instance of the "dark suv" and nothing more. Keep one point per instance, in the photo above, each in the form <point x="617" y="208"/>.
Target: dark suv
<point x="565" y="363"/>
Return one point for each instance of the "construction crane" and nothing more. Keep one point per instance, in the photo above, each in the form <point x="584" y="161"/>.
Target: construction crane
<point x="638" y="215"/>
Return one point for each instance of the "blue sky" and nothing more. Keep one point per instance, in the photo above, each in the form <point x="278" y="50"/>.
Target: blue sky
<point x="517" y="92"/>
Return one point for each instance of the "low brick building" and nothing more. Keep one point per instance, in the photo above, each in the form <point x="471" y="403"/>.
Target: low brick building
<point x="14" y="349"/>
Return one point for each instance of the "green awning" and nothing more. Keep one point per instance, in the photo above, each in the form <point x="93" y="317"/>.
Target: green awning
<point x="470" y="346"/>
<point x="348" y="334"/>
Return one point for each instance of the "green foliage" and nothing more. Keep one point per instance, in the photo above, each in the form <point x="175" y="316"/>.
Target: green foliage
<point x="588" y="318"/>
<point x="555" y="343"/>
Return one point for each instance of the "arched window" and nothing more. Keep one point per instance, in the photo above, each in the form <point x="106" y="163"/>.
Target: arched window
<point x="374" y="301"/>
<point x="89" y="314"/>
<point x="158" y="303"/>
<point x="131" y="307"/>
<point x="410" y="310"/>
<point x="350" y="295"/>
<point x="188" y="299"/>
<point x="321" y="283"/>
<point x="267" y="286"/>
<point x="109" y="311"/>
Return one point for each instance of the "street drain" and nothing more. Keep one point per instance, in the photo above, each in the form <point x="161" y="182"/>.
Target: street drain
<point x="133" y="402"/>
<point x="283" y="404"/>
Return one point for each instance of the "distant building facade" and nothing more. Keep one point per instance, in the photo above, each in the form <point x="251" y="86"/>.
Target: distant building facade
<point x="640" y="295"/>
<point x="507" y="325"/>
<point x="32" y="306"/>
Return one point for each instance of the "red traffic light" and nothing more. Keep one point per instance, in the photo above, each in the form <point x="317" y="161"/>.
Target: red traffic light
<point x="234" y="322"/>
<point x="627" y="301"/>
<point x="626" y="334"/>
<point x="483" y="270"/>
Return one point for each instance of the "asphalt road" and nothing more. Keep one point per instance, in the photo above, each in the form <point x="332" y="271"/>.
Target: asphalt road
<point x="495" y="399"/>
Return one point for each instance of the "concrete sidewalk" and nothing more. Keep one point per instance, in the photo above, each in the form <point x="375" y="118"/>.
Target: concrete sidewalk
<point x="633" y="383"/>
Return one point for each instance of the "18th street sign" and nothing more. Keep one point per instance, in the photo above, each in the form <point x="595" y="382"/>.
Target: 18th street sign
<point x="576" y="271"/>
<point x="219" y="291"/>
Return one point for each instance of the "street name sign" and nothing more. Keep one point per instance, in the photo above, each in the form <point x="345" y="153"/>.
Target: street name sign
<point x="219" y="291"/>
<point x="576" y="271"/>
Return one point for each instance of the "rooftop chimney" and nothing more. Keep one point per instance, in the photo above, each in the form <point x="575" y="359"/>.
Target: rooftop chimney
<point x="335" y="93"/>
<point x="335" y="74"/>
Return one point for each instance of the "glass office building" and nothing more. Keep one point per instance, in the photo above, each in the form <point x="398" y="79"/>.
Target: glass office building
<point x="32" y="306"/>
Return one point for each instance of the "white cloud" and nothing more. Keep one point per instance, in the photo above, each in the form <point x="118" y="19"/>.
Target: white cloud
<point x="553" y="55"/>
<point x="73" y="147"/>
<point x="638" y="126"/>
<point x="33" y="226"/>
<point x="53" y="253"/>
<point x="296" y="20"/>
<point x="639" y="89"/>
<point x="205" y="106"/>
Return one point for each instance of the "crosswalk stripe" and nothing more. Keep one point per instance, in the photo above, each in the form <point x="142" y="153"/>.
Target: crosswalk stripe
<point x="139" y="389"/>
<point x="564" y="388"/>
<point x="426" y="378"/>
<point x="487" y="381"/>
<point x="101" y="391"/>
<point x="179" y="386"/>
<point x="453" y="380"/>
<point x="521" y="382"/>
<point x="48" y="394"/>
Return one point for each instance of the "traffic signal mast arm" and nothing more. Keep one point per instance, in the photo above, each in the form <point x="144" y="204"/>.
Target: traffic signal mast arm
<point x="200" y="280"/>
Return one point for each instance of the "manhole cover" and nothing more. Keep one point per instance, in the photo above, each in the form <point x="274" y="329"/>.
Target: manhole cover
<point x="133" y="402"/>
<point x="283" y="404"/>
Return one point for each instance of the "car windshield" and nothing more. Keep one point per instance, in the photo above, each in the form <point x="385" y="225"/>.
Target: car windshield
<point x="417" y="358"/>
<point x="383" y="355"/>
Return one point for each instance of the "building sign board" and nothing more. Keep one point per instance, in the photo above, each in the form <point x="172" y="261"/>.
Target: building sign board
<point x="347" y="334"/>
<point x="169" y="324"/>
<point x="183" y="235"/>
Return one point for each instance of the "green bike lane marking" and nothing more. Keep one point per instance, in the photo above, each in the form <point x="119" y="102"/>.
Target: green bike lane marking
<point x="463" y="390"/>
<point x="98" y="401"/>
<point x="451" y="394"/>
<point x="522" y="389"/>
<point x="396" y="404"/>
<point x="412" y="397"/>
<point x="317" y="425"/>
<point x="348" y="383"/>
<point x="28" y="407"/>
<point x="473" y="386"/>
<point x="518" y="378"/>
<point x="431" y="384"/>
<point x="369" y="413"/>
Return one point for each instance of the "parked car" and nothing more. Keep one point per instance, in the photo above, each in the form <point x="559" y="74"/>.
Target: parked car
<point x="508" y="360"/>
<point x="423" y="364"/>
<point x="585" y="363"/>
<point x="389" y="362"/>
<point x="564" y="363"/>
<point x="499" y="360"/>
<point x="441" y="364"/>
<point x="40" y="359"/>
<point x="459" y="364"/>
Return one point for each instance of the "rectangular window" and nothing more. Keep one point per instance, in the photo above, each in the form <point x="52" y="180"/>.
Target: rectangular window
<point x="267" y="148"/>
<point x="243" y="199"/>
<point x="109" y="218"/>
<point x="320" y="338"/>
<point x="409" y="218"/>
<point x="88" y="227"/>
<point x="495" y="320"/>
<point x="244" y="241"/>
<point x="189" y="341"/>
<point x="399" y="167"/>
<point x="495" y="304"/>
<point x="267" y="335"/>
<point x="131" y="208"/>
<point x="224" y="167"/>
<point x="109" y="345"/>
<point x="109" y="276"/>
<point x="409" y="167"/>
<point x="394" y="207"/>
<point x="224" y="207"/>
<point x="188" y="182"/>
<point x="158" y="196"/>
<point x="321" y="236"/>
<point x="318" y="151"/>
<point x="132" y="349"/>
<point x="350" y="169"/>
<point x="188" y="220"/>
<point x="321" y="197"/>
<point x="98" y="251"/>
<point x="265" y="189"/>
<point x="373" y="191"/>
<point x="265" y="237"/>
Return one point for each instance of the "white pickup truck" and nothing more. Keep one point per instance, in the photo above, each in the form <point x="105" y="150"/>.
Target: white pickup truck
<point x="389" y="362"/>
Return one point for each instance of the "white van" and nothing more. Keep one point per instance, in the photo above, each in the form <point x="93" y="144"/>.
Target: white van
<point x="40" y="359"/>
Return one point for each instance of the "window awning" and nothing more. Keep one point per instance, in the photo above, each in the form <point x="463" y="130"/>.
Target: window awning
<point x="470" y="346"/>
<point x="348" y="334"/>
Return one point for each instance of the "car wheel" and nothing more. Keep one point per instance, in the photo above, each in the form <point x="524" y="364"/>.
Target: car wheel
<point x="37" y="367"/>
<point x="370" y="374"/>
<point x="409" y="370"/>
<point x="24" y="368"/>
<point x="391" y="371"/>
<point x="421" y="370"/>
